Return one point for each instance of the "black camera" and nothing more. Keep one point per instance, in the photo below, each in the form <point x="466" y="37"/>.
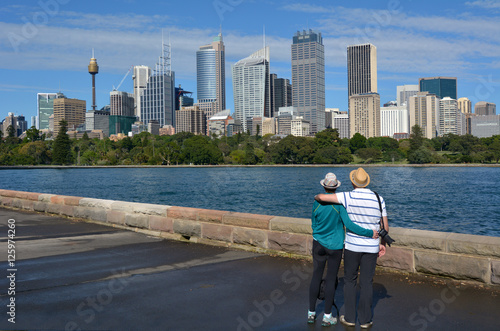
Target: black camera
<point x="385" y="236"/>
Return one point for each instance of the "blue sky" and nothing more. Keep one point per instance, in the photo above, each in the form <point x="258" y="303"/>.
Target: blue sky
<point x="46" y="45"/>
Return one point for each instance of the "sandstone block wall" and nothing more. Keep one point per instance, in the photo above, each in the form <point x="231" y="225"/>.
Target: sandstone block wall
<point x="453" y="255"/>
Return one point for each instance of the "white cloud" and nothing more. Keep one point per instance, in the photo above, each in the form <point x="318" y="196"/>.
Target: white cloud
<point x="487" y="4"/>
<point x="307" y="8"/>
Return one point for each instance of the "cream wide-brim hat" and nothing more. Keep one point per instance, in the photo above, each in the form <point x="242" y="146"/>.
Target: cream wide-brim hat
<point x="359" y="177"/>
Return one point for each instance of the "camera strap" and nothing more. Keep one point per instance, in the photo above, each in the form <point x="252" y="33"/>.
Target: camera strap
<point x="380" y="206"/>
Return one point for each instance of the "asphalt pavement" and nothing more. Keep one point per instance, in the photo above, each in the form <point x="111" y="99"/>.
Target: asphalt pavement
<point x="72" y="275"/>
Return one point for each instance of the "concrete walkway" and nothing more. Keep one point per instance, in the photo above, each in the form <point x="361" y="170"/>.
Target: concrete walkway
<point x="72" y="275"/>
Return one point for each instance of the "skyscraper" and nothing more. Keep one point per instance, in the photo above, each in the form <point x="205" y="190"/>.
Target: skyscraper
<point x="70" y="110"/>
<point x="121" y="103"/>
<point x="451" y="120"/>
<point x="281" y="94"/>
<point x="393" y="119"/>
<point x="140" y="78"/>
<point x="440" y="86"/>
<point x="464" y="105"/>
<point x="251" y="88"/>
<point x="485" y="108"/>
<point x="361" y="69"/>
<point x="157" y="100"/>
<point x="45" y="108"/>
<point x="364" y="114"/>
<point x="423" y="111"/>
<point x="211" y="74"/>
<point x="308" y="78"/>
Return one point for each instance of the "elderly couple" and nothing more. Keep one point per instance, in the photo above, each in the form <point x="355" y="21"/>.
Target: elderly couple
<point x="359" y="212"/>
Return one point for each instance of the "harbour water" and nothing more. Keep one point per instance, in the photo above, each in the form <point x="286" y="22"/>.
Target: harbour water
<point x="450" y="199"/>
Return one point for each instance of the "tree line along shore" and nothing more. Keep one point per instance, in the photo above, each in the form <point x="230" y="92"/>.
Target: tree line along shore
<point x="184" y="148"/>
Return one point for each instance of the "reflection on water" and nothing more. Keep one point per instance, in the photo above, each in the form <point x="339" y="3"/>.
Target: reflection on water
<point x="454" y="199"/>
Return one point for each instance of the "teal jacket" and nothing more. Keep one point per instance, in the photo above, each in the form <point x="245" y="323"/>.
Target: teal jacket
<point x="328" y="221"/>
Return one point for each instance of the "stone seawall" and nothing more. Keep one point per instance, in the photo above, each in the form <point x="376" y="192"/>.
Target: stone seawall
<point x="458" y="256"/>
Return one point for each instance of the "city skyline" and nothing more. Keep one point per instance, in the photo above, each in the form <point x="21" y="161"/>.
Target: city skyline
<point x="455" y="39"/>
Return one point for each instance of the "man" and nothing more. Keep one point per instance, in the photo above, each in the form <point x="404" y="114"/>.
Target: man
<point x="360" y="253"/>
<point x="327" y="222"/>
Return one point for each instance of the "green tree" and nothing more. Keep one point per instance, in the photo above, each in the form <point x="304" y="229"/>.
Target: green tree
<point x="357" y="141"/>
<point x="250" y="157"/>
<point x="333" y="155"/>
<point x="32" y="134"/>
<point x="369" y="154"/>
<point x="62" y="145"/>
<point x="416" y="138"/>
<point x="327" y="137"/>
<point x="420" y="156"/>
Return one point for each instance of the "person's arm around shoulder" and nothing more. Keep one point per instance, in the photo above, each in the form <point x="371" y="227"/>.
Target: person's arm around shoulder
<point x="354" y="227"/>
<point x="327" y="198"/>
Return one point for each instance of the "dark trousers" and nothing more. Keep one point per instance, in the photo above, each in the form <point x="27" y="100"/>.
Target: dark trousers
<point x="320" y="256"/>
<point x="365" y="263"/>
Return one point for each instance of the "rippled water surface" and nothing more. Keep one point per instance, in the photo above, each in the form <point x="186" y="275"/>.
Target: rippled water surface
<point x="452" y="199"/>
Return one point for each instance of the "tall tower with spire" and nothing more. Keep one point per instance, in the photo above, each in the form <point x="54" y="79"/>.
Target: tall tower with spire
<point x="93" y="70"/>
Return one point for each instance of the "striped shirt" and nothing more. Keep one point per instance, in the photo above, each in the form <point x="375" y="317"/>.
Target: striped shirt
<point x="362" y="207"/>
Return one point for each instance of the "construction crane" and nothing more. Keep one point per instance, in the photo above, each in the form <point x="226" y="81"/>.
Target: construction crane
<point x="123" y="79"/>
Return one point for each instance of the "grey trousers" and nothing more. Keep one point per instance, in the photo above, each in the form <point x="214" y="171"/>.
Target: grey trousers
<point x="365" y="263"/>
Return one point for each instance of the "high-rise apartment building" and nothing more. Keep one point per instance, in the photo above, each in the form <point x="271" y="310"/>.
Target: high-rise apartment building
<point x="440" y="86"/>
<point x="485" y="108"/>
<point x="423" y="111"/>
<point x="394" y="119"/>
<point x="464" y="105"/>
<point x="451" y="120"/>
<point x="308" y="78"/>
<point x="70" y="110"/>
<point x="157" y="101"/>
<point x="45" y="108"/>
<point x="22" y="125"/>
<point x="140" y="78"/>
<point x="121" y="103"/>
<point x="211" y="74"/>
<point x="364" y="114"/>
<point x="251" y="88"/>
<point x="361" y="69"/>
<point x="404" y="92"/>
<point x="191" y="119"/>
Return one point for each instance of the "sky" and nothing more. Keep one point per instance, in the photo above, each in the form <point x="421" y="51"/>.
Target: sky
<point x="46" y="45"/>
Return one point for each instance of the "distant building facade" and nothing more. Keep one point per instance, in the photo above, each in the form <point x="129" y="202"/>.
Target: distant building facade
<point x="140" y="77"/>
<point x="308" y="78"/>
<point x="191" y="119"/>
<point x="339" y="120"/>
<point x="451" y="120"/>
<point x="361" y="69"/>
<point x="251" y="88"/>
<point x="423" y="111"/>
<point x="485" y="126"/>
<point x="364" y="114"/>
<point x="464" y="105"/>
<point x="299" y="127"/>
<point x="485" y="108"/>
<point x="70" y="110"/>
<point x="97" y="120"/>
<point x="211" y="74"/>
<point x="393" y="119"/>
<point x="121" y="103"/>
<point x="281" y="94"/>
<point x="45" y="108"/>
<point x="404" y="92"/>
<point x="440" y="86"/>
